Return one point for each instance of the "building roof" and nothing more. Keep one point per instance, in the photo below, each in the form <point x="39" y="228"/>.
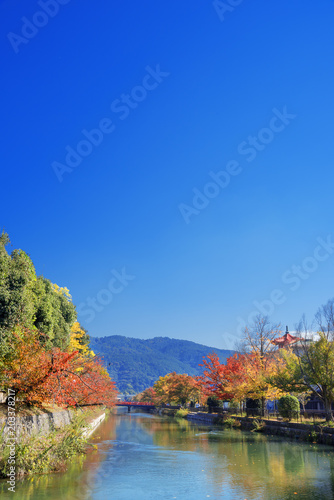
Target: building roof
<point x="286" y="340"/>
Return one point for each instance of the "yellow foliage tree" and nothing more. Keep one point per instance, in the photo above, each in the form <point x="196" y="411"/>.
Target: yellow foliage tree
<point x="78" y="334"/>
<point x="258" y="372"/>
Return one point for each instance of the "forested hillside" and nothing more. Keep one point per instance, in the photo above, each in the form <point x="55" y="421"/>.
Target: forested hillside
<point x="135" y="364"/>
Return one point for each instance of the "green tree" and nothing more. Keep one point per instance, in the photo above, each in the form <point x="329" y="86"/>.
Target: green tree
<point x="17" y="280"/>
<point x="31" y="302"/>
<point x="312" y="370"/>
<point x="288" y="406"/>
<point x="55" y="313"/>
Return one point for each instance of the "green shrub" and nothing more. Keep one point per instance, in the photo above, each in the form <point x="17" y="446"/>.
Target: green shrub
<point x="181" y="413"/>
<point x="328" y="424"/>
<point x="231" y="422"/>
<point x="312" y="437"/>
<point x="288" y="406"/>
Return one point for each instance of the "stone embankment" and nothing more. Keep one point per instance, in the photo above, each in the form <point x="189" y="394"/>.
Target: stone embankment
<point x="304" y="432"/>
<point x="39" y="424"/>
<point x="206" y="418"/>
<point x="45" y="423"/>
<point x="93" y="425"/>
<point x="165" y="412"/>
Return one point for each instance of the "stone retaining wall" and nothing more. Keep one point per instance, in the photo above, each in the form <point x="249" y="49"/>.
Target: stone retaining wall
<point x="43" y="424"/>
<point x="208" y="418"/>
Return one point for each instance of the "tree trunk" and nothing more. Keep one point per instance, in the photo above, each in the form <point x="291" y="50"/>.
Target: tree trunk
<point x="328" y="410"/>
<point x="263" y="402"/>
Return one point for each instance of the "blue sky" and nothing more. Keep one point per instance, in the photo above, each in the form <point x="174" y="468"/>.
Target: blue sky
<point x="205" y="196"/>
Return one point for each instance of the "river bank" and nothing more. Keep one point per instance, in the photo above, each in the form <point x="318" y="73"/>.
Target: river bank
<point x="304" y="432"/>
<point x="313" y="432"/>
<point x="45" y="439"/>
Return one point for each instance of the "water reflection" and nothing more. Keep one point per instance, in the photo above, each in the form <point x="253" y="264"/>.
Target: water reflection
<point x="142" y="456"/>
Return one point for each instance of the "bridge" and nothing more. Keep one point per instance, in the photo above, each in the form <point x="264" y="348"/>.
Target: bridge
<point x="134" y="404"/>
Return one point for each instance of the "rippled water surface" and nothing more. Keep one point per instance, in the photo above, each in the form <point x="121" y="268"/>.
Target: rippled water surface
<point x="142" y="457"/>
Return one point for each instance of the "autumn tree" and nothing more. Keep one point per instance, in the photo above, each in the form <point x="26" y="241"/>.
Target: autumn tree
<point x="221" y="379"/>
<point x="79" y="340"/>
<point x="259" y="349"/>
<point x="86" y="381"/>
<point x="44" y="351"/>
<point x="147" y="396"/>
<point x="176" y="389"/>
<point x="41" y="376"/>
<point x="242" y="376"/>
<point x="256" y="382"/>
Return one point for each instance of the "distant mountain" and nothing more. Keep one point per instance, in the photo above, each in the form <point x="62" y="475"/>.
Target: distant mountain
<point x="135" y="364"/>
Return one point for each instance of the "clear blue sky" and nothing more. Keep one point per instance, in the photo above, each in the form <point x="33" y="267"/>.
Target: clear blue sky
<point x="180" y="90"/>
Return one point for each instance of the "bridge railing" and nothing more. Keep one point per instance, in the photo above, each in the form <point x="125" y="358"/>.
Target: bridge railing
<point x="133" y="403"/>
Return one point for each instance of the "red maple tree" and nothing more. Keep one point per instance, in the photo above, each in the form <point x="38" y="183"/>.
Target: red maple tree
<point x="218" y="379"/>
<point x="42" y="377"/>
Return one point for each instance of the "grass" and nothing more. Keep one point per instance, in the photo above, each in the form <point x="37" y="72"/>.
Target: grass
<point x="42" y="454"/>
<point x="258" y="425"/>
<point x="231" y="422"/>
<point x="303" y="420"/>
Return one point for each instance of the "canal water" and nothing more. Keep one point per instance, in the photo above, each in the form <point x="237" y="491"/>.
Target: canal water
<point x="143" y="457"/>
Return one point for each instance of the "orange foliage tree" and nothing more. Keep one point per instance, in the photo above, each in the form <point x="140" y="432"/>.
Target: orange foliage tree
<point x="242" y="376"/>
<point x="146" y="396"/>
<point x="54" y="377"/>
<point x="176" y="389"/>
<point x="220" y="380"/>
<point x="255" y="382"/>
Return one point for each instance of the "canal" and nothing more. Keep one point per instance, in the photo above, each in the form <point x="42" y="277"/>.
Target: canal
<point x="142" y="457"/>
